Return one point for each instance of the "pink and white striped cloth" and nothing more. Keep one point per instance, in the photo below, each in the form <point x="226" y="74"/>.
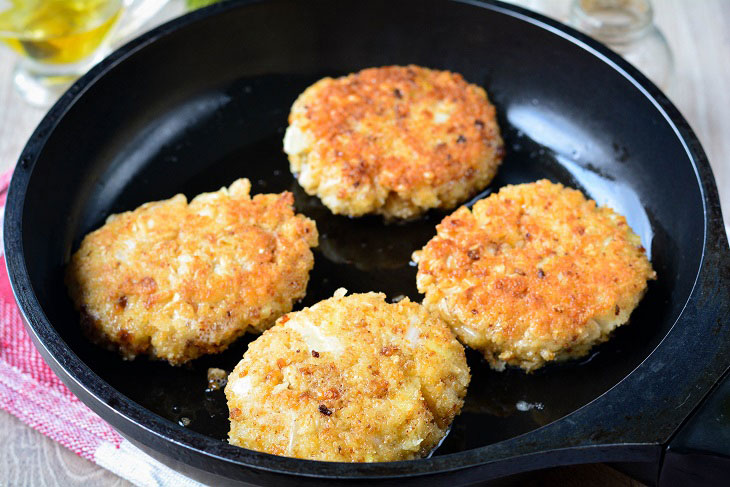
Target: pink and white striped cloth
<point x="31" y="391"/>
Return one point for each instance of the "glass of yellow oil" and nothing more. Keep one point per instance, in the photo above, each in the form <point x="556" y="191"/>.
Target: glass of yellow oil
<point x="58" y="40"/>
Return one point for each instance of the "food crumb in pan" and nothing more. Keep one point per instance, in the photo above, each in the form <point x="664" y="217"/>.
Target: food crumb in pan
<point x="526" y="406"/>
<point x="217" y="379"/>
<point x="385" y="383"/>
<point x="176" y="280"/>
<point x="394" y="140"/>
<point x="533" y="274"/>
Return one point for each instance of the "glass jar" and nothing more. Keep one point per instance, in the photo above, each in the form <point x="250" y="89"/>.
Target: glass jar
<point x="627" y="27"/>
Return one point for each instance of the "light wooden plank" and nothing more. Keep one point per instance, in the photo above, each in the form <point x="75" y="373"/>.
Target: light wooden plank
<point x="27" y="458"/>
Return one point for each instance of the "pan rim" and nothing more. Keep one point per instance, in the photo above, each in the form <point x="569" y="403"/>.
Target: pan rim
<point x="65" y="362"/>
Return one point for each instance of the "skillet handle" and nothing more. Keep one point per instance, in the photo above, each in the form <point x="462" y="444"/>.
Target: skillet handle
<point x="699" y="453"/>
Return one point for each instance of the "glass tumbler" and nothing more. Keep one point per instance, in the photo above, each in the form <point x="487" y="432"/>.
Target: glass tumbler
<point x="58" y="40"/>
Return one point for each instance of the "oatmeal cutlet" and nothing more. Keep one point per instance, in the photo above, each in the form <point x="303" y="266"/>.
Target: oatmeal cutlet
<point x="394" y="141"/>
<point x="175" y="280"/>
<point x="533" y="274"/>
<point x="351" y="379"/>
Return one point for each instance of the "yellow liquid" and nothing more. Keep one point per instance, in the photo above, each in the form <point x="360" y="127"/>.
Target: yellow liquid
<point x="57" y="31"/>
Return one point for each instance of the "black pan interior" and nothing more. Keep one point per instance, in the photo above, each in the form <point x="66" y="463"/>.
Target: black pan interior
<point x="208" y="104"/>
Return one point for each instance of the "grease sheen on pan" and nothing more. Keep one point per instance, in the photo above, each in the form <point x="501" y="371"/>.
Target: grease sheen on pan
<point x="395" y="141"/>
<point x="533" y="274"/>
<point x="353" y="379"/>
<point x="175" y="280"/>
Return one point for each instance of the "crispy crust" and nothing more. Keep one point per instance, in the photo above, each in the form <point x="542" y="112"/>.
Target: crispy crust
<point x="351" y="379"/>
<point x="393" y="140"/>
<point x="532" y="274"/>
<point x="175" y="280"/>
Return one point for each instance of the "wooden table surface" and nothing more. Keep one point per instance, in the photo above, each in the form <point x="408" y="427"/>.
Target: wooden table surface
<point x="699" y="35"/>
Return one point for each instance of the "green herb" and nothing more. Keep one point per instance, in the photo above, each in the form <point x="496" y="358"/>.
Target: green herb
<point x="193" y="4"/>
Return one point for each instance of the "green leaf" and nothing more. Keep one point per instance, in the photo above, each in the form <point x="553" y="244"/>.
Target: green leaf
<point x="193" y="4"/>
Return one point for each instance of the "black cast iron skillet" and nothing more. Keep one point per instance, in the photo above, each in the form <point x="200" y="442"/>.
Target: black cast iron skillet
<point x="203" y="100"/>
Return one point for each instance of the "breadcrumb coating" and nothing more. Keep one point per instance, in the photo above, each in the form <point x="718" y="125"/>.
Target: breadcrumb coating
<point x="533" y="274"/>
<point x="175" y="280"/>
<point x="352" y="379"/>
<point x="395" y="141"/>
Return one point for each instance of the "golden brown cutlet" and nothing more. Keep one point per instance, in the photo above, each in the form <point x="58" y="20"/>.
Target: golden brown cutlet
<point x="352" y="379"/>
<point x="532" y="274"/>
<point x="395" y="141"/>
<point x="175" y="280"/>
